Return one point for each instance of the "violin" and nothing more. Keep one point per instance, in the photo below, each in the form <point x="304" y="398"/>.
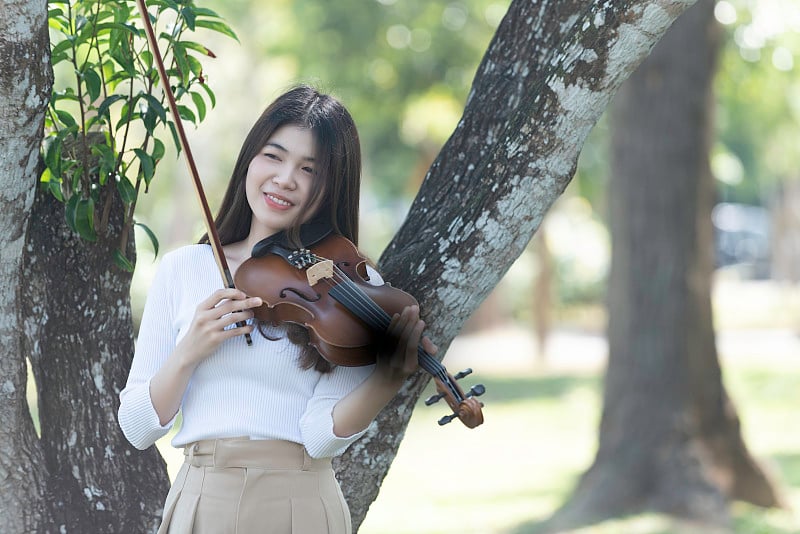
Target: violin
<point x="346" y="317"/>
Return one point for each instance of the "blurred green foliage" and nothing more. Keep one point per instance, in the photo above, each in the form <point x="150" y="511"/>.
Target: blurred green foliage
<point x="758" y="99"/>
<point x="404" y="69"/>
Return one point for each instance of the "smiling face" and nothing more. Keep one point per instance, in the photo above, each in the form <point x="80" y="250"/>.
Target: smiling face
<point x="280" y="181"/>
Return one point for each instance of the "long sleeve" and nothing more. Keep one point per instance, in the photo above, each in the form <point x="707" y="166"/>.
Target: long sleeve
<point x="316" y="424"/>
<point x="137" y="416"/>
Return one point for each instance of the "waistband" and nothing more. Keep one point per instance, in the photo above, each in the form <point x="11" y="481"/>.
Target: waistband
<point x="252" y="453"/>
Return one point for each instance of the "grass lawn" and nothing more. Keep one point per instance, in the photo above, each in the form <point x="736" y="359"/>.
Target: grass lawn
<point x="540" y="435"/>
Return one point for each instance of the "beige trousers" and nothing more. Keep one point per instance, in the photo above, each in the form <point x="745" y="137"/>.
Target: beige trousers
<point x="247" y="486"/>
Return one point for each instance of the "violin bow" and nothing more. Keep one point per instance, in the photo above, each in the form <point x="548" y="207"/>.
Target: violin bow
<point x="211" y="229"/>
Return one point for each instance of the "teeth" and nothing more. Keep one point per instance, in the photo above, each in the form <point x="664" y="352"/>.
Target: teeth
<point x="279" y="201"/>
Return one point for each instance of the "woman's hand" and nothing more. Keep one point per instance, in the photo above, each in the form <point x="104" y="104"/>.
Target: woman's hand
<point x="207" y="331"/>
<point x="401" y="360"/>
<point x="209" y="327"/>
<point x="395" y="363"/>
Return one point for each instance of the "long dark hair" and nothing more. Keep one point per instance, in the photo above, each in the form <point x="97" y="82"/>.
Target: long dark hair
<point x="336" y="189"/>
<point x="337" y="164"/>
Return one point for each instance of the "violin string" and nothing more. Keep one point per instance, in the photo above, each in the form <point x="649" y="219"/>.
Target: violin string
<point x="382" y="320"/>
<point x="365" y="304"/>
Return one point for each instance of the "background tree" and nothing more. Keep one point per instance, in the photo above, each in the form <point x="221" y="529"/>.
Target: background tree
<point x="670" y="439"/>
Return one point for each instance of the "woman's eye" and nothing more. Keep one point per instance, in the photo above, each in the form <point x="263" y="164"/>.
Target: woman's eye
<point x="309" y="170"/>
<point x="270" y="155"/>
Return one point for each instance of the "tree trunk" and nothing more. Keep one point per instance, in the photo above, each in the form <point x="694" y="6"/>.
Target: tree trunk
<point x="25" y="82"/>
<point x="80" y="337"/>
<point x="547" y="76"/>
<point x="669" y="437"/>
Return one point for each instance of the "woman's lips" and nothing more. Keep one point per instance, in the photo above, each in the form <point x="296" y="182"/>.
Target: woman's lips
<point x="277" y="201"/>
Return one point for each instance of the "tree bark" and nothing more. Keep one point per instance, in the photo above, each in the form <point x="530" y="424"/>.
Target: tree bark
<point x="25" y="82"/>
<point x="669" y="437"/>
<point x="547" y="76"/>
<point x="80" y="340"/>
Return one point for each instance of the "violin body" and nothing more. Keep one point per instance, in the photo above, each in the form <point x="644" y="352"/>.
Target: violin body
<point x="326" y="290"/>
<point x="341" y="337"/>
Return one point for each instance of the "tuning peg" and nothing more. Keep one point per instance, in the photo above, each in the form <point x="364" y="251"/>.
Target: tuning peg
<point x="462" y="374"/>
<point x="476" y="391"/>
<point x="446" y="419"/>
<point x="433" y="399"/>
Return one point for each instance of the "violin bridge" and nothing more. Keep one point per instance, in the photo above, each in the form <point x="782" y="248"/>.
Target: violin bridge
<point x="318" y="271"/>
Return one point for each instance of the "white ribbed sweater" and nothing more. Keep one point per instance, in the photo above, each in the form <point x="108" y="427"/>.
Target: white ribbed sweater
<point x="258" y="391"/>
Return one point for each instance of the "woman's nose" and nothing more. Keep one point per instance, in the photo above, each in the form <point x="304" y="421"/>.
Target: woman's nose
<point x="284" y="179"/>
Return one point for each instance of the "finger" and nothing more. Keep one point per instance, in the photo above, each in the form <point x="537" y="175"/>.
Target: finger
<point x="228" y="293"/>
<point x="407" y="345"/>
<point x="230" y="306"/>
<point x="409" y="320"/>
<point x="429" y="346"/>
<point x="398" y="323"/>
<point x="238" y="331"/>
<point x="235" y="317"/>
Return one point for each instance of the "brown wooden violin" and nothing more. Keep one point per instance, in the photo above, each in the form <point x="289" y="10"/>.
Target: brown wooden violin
<point x="346" y="316"/>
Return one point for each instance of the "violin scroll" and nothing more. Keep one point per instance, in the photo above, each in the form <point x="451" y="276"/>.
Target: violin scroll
<point x="466" y="408"/>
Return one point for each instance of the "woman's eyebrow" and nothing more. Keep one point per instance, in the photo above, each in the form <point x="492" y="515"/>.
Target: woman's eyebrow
<point x="283" y="149"/>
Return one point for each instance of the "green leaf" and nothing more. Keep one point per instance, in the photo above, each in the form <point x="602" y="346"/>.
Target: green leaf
<point x="93" y="84"/>
<point x="175" y="139"/>
<point x="102" y="109"/>
<point x="70" y="209"/>
<point x="55" y="189"/>
<point x="217" y="26"/>
<point x="187" y="114"/>
<point x="107" y="159"/>
<point x="188" y="15"/>
<point x="84" y="219"/>
<point x="210" y="94"/>
<point x="158" y="150"/>
<point x="199" y="104"/>
<point x="126" y="190"/>
<point x="122" y="262"/>
<point x="154" y="104"/>
<point x="80" y="22"/>
<point x="147" y="58"/>
<point x="180" y="56"/>
<point x="205" y="12"/>
<point x="146" y="164"/>
<point x="65" y="118"/>
<point x="61" y="48"/>
<point x="52" y="155"/>
<point x="194" y="65"/>
<point x="151" y="235"/>
<point x="197" y="47"/>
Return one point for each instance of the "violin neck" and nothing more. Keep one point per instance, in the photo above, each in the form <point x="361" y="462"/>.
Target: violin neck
<point x="362" y="306"/>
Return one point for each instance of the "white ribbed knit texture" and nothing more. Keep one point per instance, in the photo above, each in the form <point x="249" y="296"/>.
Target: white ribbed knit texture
<point x="258" y="391"/>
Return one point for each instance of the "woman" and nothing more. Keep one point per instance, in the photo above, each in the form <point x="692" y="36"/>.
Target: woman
<point x="260" y="423"/>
